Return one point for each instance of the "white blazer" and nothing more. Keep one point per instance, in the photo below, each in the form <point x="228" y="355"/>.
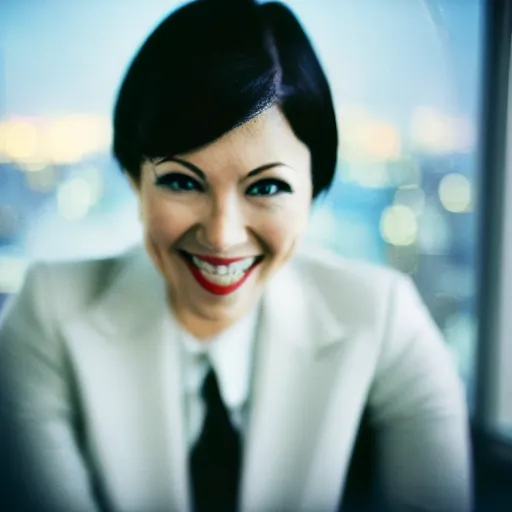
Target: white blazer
<point x="92" y="403"/>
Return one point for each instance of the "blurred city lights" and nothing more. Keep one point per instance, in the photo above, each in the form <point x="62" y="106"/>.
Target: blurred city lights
<point x="3" y="156"/>
<point x="434" y="233"/>
<point x="74" y="199"/>
<point x="21" y="140"/>
<point x="67" y="139"/>
<point x="398" y="225"/>
<point x="363" y="135"/>
<point x="411" y="196"/>
<point x="399" y="136"/>
<point x="404" y="172"/>
<point x="44" y="180"/>
<point x="382" y="141"/>
<point x="455" y="193"/>
<point x="63" y="140"/>
<point x="369" y="174"/>
<point x="33" y="167"/>
<point x="437" y="132"/>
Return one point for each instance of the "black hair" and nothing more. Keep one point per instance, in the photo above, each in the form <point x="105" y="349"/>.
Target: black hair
<point x="210" y="67"/>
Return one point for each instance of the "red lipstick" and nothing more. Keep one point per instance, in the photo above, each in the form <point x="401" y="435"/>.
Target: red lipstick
<point x="217" y="289"/>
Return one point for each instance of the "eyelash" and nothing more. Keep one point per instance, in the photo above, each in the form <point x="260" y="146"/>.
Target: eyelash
<point x="282" y="187"/>
<point x="170" y="179"/>
<point x="188" y="184"/>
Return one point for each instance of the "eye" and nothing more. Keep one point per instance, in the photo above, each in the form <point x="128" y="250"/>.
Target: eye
<point x="268" y="187"/>
<point x="178" y="182"/>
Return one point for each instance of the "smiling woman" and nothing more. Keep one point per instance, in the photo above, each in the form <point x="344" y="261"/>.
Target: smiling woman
<point x="244" y="199"/>
<point x="217" y="367"/>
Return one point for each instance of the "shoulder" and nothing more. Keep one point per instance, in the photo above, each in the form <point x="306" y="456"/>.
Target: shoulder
<point x="64" y="287"/>
<point x="357" y="290"/>
<point x="329" y="268"/>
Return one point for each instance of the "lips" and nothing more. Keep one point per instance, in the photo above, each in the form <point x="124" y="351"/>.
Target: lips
<point x="220" y="276"/>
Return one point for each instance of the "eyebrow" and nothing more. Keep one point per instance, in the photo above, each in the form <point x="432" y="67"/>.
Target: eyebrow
<point x="201" y="173"/>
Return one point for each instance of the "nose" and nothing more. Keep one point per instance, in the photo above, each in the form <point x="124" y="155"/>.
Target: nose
<point x="224" y="227"/>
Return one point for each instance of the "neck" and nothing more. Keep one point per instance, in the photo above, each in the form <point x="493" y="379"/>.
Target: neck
<point x="203" y="328"/>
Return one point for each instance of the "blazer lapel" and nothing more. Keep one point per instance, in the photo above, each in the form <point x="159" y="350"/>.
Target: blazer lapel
<point x="125" y="355"/>
<point x="298" y="353"/>
<point x="125" y="358"/>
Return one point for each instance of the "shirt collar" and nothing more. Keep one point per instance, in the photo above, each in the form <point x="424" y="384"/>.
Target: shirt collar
<point x="230" y="354"/>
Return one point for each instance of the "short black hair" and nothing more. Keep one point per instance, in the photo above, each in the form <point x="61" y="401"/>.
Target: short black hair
<point x="213" y="65"/>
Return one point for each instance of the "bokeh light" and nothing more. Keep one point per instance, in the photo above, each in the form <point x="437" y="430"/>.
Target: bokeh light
<point x="21" y="140"/>
<point x="398" y="225"/>
<point x="369" y="174"/>
<point x="382" y="141"/>
<point x="33" y="143"/>
<point x="438" y="132"/>
<point x="70" y="138"/>
<point x="455" y="193"/>
<point x="364" y="135"/>
<point x="400" y="133"/>
<point x="75" y="198"/>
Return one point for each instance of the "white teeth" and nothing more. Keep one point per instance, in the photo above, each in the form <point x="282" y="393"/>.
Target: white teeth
<point x="232" y="270"/>
<point x="242" y="266"/>
<point x="225" y="280"/>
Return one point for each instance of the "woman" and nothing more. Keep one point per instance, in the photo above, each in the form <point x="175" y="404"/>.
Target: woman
<point x="218" y="367"/>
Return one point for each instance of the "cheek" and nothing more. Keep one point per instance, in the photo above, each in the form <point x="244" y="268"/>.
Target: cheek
<point x="282" y="229"/>
<point x="164" y="221"/>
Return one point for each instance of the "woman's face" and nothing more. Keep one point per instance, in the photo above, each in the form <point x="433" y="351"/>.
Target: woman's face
<point x="220" y="220"/>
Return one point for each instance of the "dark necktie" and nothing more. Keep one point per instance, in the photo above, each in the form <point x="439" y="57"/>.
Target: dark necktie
<point x="216" y="456"/>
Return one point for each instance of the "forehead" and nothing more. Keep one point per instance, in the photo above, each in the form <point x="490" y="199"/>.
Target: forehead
<point x="264" y="139"/>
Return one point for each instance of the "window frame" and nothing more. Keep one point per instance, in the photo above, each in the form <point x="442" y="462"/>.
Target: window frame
<point x="494" y="273"/>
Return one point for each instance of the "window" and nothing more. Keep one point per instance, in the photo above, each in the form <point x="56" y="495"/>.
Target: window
<point x="406" y="78"/>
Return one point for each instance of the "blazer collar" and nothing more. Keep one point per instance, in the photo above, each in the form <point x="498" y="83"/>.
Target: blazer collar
<point x="136" y="300"/>
<point x="299" y="348"/>
<point x="296" y="312"/>
<point x="126" y="356"/>
<point x="133" y="302"/>
<point x="297" y="340"/>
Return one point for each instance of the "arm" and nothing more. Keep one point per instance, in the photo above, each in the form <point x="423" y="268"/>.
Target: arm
<point x="41" y="465"/>
<point x="418" y="407"/>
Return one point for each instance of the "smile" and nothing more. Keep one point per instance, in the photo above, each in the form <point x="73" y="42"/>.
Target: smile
<point x="220" y="276"/>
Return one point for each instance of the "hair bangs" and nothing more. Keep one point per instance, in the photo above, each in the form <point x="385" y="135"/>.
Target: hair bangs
<point x="213" y="103"/>
<point x="212" y="66"/>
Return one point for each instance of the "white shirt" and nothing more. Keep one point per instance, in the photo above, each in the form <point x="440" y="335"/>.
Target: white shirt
<point x="231" y="356"/>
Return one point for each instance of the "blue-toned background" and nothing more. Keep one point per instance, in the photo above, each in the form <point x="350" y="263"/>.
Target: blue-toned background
<point x="406" y="78"/>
